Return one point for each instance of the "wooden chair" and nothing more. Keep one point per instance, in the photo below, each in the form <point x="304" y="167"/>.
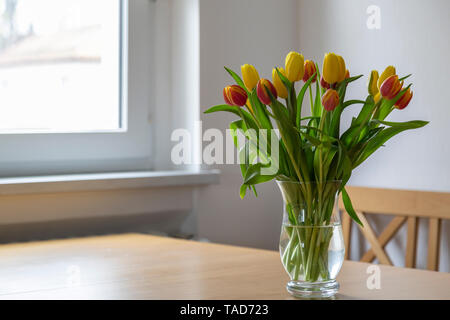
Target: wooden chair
<point x="406" y="206"/>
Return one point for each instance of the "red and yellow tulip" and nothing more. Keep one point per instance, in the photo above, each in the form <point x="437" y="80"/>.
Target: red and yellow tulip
<point x="330" y="99"/>
<point x="234" y="95"/>
<point x="389" y="71"/>
<point x="390" y="87"/>
<point x="324" y="84"/>
<point x="310" y="69"/>
<point x="261" y="90"/>
<point x="403" y="102"/>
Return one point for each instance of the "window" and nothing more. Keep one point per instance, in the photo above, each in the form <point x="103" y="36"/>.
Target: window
<point x="64" y="54"/>
<point x="70" y="99"/>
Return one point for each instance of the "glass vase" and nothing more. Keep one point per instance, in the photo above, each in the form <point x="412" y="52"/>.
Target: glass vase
<point x="311" y="242"/>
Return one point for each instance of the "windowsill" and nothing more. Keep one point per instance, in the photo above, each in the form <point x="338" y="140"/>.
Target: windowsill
<point x="106" y="181"/>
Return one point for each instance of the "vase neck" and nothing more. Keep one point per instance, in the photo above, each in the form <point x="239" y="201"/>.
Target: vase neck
<point x="310" y="203"/>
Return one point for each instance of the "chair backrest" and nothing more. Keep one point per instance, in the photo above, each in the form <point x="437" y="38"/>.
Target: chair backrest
<point x="407" y="206"/>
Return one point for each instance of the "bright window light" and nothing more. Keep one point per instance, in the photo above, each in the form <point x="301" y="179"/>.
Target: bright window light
<point x="60" y="65"/>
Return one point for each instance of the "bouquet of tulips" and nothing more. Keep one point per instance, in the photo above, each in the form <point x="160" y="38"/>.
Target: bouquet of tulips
<point x="313" y="148"/>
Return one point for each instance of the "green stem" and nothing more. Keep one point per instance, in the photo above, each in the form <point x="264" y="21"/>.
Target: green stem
<point x="311" y="100"/>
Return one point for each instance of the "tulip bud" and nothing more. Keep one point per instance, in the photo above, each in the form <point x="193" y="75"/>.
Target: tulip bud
<point x="330" y="99"/>
<point x="324" y="84"/>
<point x="390" y="87"/>
<point x="278" y="83"/>
<point x="389" y="71"/>
<point x="347" y="74"/>
<point x="310" y="69"/>
<point x="404" y="100"/>
<point x="372" y="86"/>
<point x="234" y="95"/>
<point x="294" y="66"/>
<point x="333" y="69"/>
<point x="250" y="76"/>
<point x="262" y="93"/>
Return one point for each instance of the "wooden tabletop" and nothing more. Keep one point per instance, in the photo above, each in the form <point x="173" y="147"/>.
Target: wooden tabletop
<point x="134" y="266"/>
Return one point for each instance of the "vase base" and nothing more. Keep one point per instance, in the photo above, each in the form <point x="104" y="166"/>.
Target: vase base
<point x="302" y="289"/>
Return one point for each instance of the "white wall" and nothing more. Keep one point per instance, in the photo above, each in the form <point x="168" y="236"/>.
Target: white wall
<point x="232" y="33"/>
<point x="412" y="37"/>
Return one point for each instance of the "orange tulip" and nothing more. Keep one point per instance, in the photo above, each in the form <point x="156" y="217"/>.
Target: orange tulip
<point x="404" y="100"/>
<point x="310" y="69"/>
<point x="347" y="74"/>
<point x="390" y="87"/>
<point x="262" y="93"/>
<point x="330" y="99"/>
<point x="234" y="95"/>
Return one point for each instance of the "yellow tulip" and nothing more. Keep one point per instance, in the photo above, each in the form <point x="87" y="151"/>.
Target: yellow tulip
<point x="377" y="97"/>
<point x="389" y="71"/>
<point x="333" y="69"/>
<point x="250" y="76"/>
<point x="278" y="83"/>
<point x="294" y="66"/>
<point x="372" y="86"/>
<point x="342" y="69"/>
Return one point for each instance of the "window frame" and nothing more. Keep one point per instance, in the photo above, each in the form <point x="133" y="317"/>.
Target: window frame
<point x="124" y="149"/>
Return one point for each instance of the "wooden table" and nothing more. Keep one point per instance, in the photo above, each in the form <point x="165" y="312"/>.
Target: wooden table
<point x="134" y="266"/>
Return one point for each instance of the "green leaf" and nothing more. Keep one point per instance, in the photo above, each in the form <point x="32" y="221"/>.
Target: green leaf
<point x="243" y="190"/>
<point x="260" y="111"/>
<point x="234" y="127"/>
<point x="350" y="102"/>
<point x="254" y="191"/>
<point x="366" y="111"/>
<point x="349" y="207"/>
<point x="405" y="77"/>
<point x="234" y="109"/>
<point x="409" y="124"/>
<point x="336" y="113"/>
<point x="314" y="141"/>
<point x="348" y="80"/>
<point x="301" y="96"/>
<point x="383" y="136"/>
<point x="254" y="176"/>
<point x="237" y="78"/>
<point x="285" y="80"/>
<point x="352" y="134"/>
<point x="310" y="117"/>
<point x="317" y="109"/>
